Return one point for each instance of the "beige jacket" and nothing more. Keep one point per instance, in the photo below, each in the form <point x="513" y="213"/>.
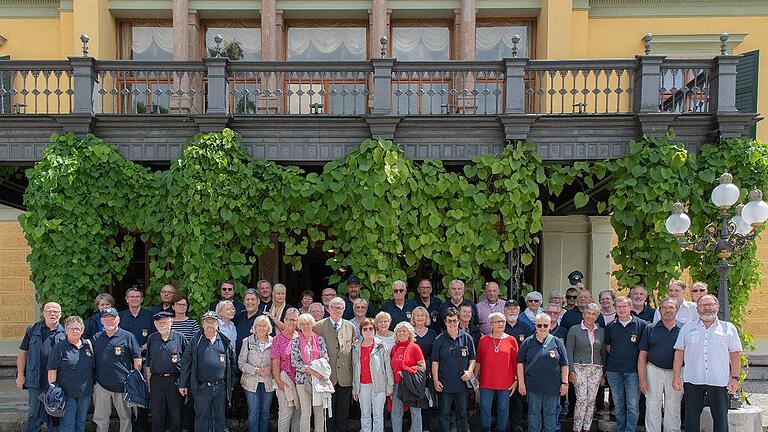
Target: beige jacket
<point x="251" y="358"/>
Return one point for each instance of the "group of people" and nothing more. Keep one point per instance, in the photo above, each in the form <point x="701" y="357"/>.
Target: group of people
<point x="420" y="356"/>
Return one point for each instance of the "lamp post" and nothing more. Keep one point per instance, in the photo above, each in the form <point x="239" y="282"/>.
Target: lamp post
<point x="732" y="234"/>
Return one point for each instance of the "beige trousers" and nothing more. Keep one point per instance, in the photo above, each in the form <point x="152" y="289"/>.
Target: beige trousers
<point x="305" y="397"/>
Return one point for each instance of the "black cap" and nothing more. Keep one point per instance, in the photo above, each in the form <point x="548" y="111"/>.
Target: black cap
<point x="109" y="311"/>
<point x="575" y="277"/>
<point x="353" y="280"/>
<point x="210" y="314"/>
<point x="511" y="302"/>
<point x="162" y="315"/>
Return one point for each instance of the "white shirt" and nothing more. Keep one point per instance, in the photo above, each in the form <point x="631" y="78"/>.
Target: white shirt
<point x="685" y="314"/>
<point x="706" y="352"/>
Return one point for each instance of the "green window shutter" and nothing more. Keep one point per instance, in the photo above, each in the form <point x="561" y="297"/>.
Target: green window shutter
<point x="5" y="89"/>
<point x="746" y="84"/>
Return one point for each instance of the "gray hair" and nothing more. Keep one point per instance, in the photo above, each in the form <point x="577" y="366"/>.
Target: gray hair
<point x="222" y="304"/>
<point x="279" y="288"/>
<point x="498" y="315"/>
<point x="592" y="306"/>
<point x="382" y="315"/>
<point x="74" y="319"/>
<point x="307" y="318"/>
<point x="457" y="282"/>
<point x="557" y="293"/>
<point x="360" y="300"/>
<point x="544" y="317"/>
<point x="316" y="304"/>
<point x="534" y="295"/>
<point x="623" y="299"/>
<point x="670" y="300"/>
<point x="262" y="319"/>
<point x="337" y="300"/>
<point x="292" y="311"/>
<point x="558" y="306"/>
<point x="407" y="326"/>
<point x="398" y="283"/>
<point x="251" y="291"/>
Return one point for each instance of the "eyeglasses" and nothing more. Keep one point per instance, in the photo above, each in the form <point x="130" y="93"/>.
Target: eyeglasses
<point x="533" y="301"/>
<point x="368" y="329"/>
<point x="425" y="286"/>
<point x="75" y="329"/>
<point x="451" y="321"/>
<point x="571" y="297"/>
<point x="166" y="292"/>
<point x="542" y="325"/>
<point x="699" y="290"/>
<point x="227" y="289"/>
<point x="498" y="322"/>
<point x="398" y="291"/>
<point x="707" y="304"/>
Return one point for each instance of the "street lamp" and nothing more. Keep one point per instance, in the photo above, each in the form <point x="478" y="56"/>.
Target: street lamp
<point x="734" y="231"/>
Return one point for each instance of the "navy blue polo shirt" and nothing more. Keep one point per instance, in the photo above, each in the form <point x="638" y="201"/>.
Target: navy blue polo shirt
<point x="140" y="326"/>
<point x="453" y="356"/>
<point x="646" y="314"/>
<point x="262" y="308"/>
<point x="211" y="360"/>
<point x="659" y="342"/>
<point x="559" y="332"/>
<point x="243" y="325"/>
<point x="114" y="358"/>
<point x="238" y="306"/>
<point x="519" y="331"/>
<point x="160" y="308"/>
<point x="625" y="345"/>
<point x="571" y="318"/>
<point x="433" y="309"/>
<point x="74" y="367"/>
<point x="398" y="315"/>
<point x="349" y="311"/>
<point x="544" y="376"/>
<point x="447" y="304"/>
<point x="425" y="343"/>
<point x="164" y="356"/>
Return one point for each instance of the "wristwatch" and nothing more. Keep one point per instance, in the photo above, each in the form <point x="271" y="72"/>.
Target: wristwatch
<point x="563" y="383"/>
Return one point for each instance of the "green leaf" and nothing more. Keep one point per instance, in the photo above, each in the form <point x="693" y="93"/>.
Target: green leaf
<point x="580" y="199"/>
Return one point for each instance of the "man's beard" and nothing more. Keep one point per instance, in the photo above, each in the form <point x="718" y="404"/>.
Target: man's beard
<point x="638" y="303"/>
<point x="708" y="316"/>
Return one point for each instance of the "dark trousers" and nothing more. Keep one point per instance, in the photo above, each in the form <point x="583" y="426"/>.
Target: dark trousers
<point x="445" y="402"/>
<point x="517" y="411"/>
<point x="341" y="400"/>
<point x="694" y="404"/>
<point x="210" y="406"/>
<point x="166" y="403"/>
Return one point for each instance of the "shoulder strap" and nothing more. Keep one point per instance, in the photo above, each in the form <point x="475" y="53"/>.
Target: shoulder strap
<point x="544" y="348"/>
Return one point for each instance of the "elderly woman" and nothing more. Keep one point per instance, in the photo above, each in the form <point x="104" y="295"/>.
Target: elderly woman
<point x="533" y="307"/>
<point x="226" y="310"/>
<point x="558" y="297"/>
<point x="607" y="298"/>
<point x="304" y="349"/>
<point x="371" y="377"/>
<point x="182" y="323"/>
<point x="383" y="320"/>
<point x="70" y="364"/>
<point x="405" y="356"/>
<point x="466" y="324"/>
<point x="100" y="302"/>
<point x="256" y="379"/>
<point x="542" y="375"/>
<point x="360" y="309"/>
<point x="276" y="311"/>
<point x="307" y="298"/>
<point x="496" y="365"/>
<point x="284" y="375"/>
<point x="585" y="356"/>
<point x="425" y="338"/>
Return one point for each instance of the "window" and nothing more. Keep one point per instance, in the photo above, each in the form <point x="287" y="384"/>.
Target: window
<point x="240" y="43"/>
<point x="495" y="42"/>
<point x="152" y="41"/>
<point x="413" y="93"/>
<point x="421" y="43"/>
<point x="326" y="43"/>
<point x="142" y="91"/>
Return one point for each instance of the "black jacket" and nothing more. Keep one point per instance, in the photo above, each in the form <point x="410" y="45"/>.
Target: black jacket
<point x="188" y="377"/>
<point x="412" y="387"/>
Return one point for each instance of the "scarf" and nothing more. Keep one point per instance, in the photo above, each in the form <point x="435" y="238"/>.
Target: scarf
<point x="303" y="348"/>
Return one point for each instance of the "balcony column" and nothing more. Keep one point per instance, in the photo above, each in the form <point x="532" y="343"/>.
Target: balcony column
<point x="180" y="103"/>
<point x="379" y="26"/>
<point x="268" y="103"/>
<point x="730" y="122"/>
<point x="466" y="50"/>
<point x="646" y="96"/>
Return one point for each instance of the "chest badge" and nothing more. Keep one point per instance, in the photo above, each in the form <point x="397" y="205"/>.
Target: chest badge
<point x="144" y="332"/>
<point x="118" y="350"/>
<point x="521" y="337"/>
<point x="221" y="358"/>
<point x="464" y="352"/>
<point x="174" y="358"/>
<point x="552" y="353"/>
<point x="633" y="338"/>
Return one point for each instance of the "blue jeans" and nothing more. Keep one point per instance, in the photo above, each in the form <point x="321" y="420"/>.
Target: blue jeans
<point x="502" y="409"/>
<point x="625" y="391"/>
<point x="36" y="411"/>
<point x="445" y="401"/>
<point x="210" y="404"/>
<point x="259" y="403"/>
<point x="543" y="411"/>
<point x="75" y="413"/>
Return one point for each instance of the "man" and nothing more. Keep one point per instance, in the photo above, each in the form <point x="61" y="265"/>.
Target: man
<point x="264" y="288"/>
<point x="698" y="290"/>
<point x="164" y="350"/>
<point x="520" y="331"/>
<point x="575" y="315"/>
<point x="622" y="341"/>
<point x="400" y="307"/>
<point x="558" y="297"/>
<point x="429" y="302"/>
<point x="244" y="320"/>
<point x="326" y="295"/>
<point x="453" y="360"/>
<point x="640" y="309"/>
<point x="571" y="295"/>
<point x="32" y="362"/>
<point x="227" y="292"/>
<point x="533" y="306"/>
<point x="166" y="299"/>
<point x="116" y="353"/>
<point x="339" y="334"/>
<point x="353" y="293"/>
<point x="456" y="291"/>
<point x="207" y="373"/>
<point x="686" y="310"/>
<point x="317" y="311"/>
<point x="654" y="368"/>
<point x="137" y="321"/>
<point x="553" y="310"/>
<point x="491" y="303"/>
<point x="711" y="351"/>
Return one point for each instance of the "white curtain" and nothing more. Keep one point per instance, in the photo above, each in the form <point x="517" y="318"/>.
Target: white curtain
<point x="420" y="43"/>
<point x="495" y="43"/>
<point x="337" y="43"/>
<point x="249" y="39"/>
<point x="152" y="43"/>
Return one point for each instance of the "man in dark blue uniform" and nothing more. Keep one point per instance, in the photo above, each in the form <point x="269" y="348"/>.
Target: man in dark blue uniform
<point x="400" y="307"/>
<point x="137" y="321"/>
<point x="244" y="320"/>
<point x="353" y="293"/>
<point x="207" y="373"/>
<point x="227" y="292"/>
<point x="456" y="291"/>
<point x="167" y="292"/>
<point x="164" y="350"/>
<point x="430" y="303"/>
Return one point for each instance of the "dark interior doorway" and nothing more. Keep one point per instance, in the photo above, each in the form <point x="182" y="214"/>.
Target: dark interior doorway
<point x="313" y="276"/>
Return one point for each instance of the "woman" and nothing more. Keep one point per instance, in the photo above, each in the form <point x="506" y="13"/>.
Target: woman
<point x="371" y="377"/>
<point x="226" y="310"/>
<point x="70" y="365"/>
<point x="585" y="356"/>
<point x="181" y="322"/>
<point x="495" y="364"/>
<point x="383" y="320"/>
<point x="304" y="349"/>
<point x="359" y="309"/>
<point x="256" y="379"/>
<point x="307" y="298"/>
<point x="284" y="375"/>
<point x="465" y="323"/>
<point x="425" y="338"/>
<point x="542" y="375"/>
<point x="277" y="311"/>
<point x="607" y="299"/>
<point x="405" y="356"/>
<point x="100" y="302"/>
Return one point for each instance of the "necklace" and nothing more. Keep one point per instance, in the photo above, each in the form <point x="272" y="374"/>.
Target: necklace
<point x="496" y="346"/>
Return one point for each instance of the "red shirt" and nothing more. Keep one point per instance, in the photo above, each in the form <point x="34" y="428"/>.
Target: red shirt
<point x="404" y="357"/>
<point x="365" y="364"/>
<point x="498" y="368"/>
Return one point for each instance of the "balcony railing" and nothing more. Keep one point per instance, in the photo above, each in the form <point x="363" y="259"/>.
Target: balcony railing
<point x="647" y="84"/>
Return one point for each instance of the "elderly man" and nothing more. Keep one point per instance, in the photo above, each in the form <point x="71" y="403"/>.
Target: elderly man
<point x="710" y="350"/>
<point x="137" y="321"/>
<point x="558" y="297"/>
<point x="654" y="367"/>
<point x="207" y="373"/>
<point x="686" y="310"/>
<point x="698" y="290"/>
<point x="533" y="306"/>
<point x="32" y="362"/>
<point x="556" y="330"/>
<point x="453" y="361"/>
<point x="166" y="299"/>
<point x="430" y="303"/>
<point x="264" y="288"/>
<point x="244" y="320"/>
<point x="339" y="334"/>
<point x="575" y="315"/>
<point x="638" y="294"/>
<point x="400" y="307"/>
<point x="163" y="367"/>
<point x="353" y="293"/>
<point x="490" y="304"/>
<point x="317" y="311"/>
<point x="227" y="292"/>
<point x="622" y="341"/>
<point x="116" y="352"/>
<point x="456" y="292"/>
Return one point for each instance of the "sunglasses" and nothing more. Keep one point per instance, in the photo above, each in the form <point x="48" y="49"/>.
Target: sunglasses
<point x="533" y="301"/>
<point x="368" y="329"/>
<point x="542" y="325"/>
<point x="699" y="290"/>
<point x="399" y="290"/>
<point x="227" y="289"/>
<point x="571" y="297"/>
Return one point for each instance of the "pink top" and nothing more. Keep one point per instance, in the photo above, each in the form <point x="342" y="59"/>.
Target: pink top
<point x="281" y="349"/>
<point x="591" y="334"/>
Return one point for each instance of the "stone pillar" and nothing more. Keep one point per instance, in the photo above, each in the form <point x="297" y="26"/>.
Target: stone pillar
<point x="268" y="30"/>
<point x="601" y="233"/>
<point x="180" y="30"/>
<point x="280" y="36"/>
<point x="565" y="247"/>
<point x="193" y="36"/>
<point x="465" y="49"/>
<point x="379" y="26"/>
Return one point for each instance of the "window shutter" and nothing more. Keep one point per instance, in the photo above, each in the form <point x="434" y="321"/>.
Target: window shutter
<point x="746" y="85"/>
<point x="5" y="89"/>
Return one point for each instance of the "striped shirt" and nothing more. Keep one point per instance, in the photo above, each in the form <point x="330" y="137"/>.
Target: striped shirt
<point x="187" y="328"/>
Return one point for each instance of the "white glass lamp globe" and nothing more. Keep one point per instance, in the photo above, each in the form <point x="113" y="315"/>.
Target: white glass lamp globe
<point x="756" y="211"/>
<point x="678" y="223"/>
<point x="742" y="227"/>
<point x="726" y="193"/>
